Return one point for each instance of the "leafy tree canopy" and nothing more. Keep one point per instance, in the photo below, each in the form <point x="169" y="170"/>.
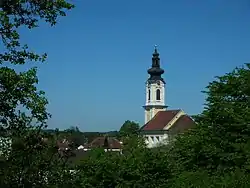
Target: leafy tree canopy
<point x="129" y="128"/>
<point x="221" y="141"/>
<point x="31" y="162"/>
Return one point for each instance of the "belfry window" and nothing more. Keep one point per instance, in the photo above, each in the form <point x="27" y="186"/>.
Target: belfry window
<point x="158" y="94"/>
<point x="149" y="94"/>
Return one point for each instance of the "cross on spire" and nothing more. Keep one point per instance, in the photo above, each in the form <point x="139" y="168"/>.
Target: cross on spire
<point x="155" y="48"/>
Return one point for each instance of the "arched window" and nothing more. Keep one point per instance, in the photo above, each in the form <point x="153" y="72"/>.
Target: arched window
<point x="158" y="94"/>
<point x="149" y="94"/>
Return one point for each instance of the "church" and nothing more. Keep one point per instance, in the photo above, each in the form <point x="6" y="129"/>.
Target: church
<point x="161" y="123"/>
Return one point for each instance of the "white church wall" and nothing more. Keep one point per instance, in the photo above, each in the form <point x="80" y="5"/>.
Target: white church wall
<point x="155" y="140"/>
<point x="152" y="88"/>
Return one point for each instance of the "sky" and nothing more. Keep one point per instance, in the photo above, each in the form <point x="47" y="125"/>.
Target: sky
<point x="98" y="56"/>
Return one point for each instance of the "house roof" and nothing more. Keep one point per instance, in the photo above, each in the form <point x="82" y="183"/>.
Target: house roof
<point x="160" y="120"/>
<point x="181" y="125"/>
<point x="107" y="142"/>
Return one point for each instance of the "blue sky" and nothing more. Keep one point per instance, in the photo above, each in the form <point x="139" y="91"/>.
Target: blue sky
<point x="98" y="56"/>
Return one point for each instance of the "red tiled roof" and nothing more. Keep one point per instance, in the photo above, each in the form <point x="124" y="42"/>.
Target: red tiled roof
<point x="181" y="125"/>
<point x="100" y="142"/>
<point x="160" y="120"/>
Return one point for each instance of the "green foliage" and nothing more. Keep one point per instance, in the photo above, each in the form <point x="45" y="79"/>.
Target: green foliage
<point x="214" y="154"/>
<point x="129" y="128"/>
<point x="133" y="143"/>
<point x="26" y="13"/>
<point x="220" y="144"/>
<point x="33" y="163"/>
<point x="237" y="178"/>
<point x="18" y="89"/>
<point x="28" y="161"/>
<point x="140" y="167"/>
<point x="74" y="135"/>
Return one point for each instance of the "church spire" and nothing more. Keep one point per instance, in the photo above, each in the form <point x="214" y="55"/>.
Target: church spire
<point x="155" y="88"/>
<point x="156" y="58"/>
<point x="155" y="71"/>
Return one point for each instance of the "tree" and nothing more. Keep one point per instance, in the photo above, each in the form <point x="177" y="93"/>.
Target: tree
<point x="129" y="128"/>
<point x="236" y="178"/>
<point x="220" y="144"/>
<point x="30" y="159"/>
<point x="75" y="136"/>
<point x="73" y="129"/>
<point x="140" y="167"/>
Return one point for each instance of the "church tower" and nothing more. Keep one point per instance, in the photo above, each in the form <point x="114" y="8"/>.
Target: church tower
<point x="155" y="89"/>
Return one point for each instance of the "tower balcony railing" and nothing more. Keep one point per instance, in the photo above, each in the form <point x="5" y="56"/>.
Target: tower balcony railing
<point x="156" y="102"/>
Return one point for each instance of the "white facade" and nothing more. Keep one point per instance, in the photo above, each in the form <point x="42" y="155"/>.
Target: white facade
<point x="155" y="99"/>
<point x="151" y="93"/>
<point x="156" y="140"/>
<point x="155" y="102"/>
